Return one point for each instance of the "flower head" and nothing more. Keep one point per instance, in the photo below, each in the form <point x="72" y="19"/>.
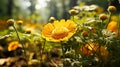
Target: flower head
<point x="91" y="48"/>
<point x="59" y="31"/>
<point x="112" y="8"/>
<point x="20" y="22"/>
<point x="13" y="46"/>
<point x="73" y="11"/>
<point x="103" y="17"/>
<point x="28" y="31"/>
<point x="10" y="22"/>
<point x="112" y="26"/>
<point x="52" y="19"/>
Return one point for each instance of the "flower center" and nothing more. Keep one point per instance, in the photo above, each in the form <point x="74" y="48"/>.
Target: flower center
<point x="60" y="32"/>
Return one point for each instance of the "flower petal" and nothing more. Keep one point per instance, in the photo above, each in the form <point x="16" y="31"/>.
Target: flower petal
<point x="47" y="30"/>
<point x="71" y="25"/>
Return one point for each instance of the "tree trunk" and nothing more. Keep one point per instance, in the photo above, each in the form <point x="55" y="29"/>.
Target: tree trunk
<point x="72" y="3"/>
<point x="65" y="14"/>
<point x="10" y="8"/>
<point x="32" y="7"/>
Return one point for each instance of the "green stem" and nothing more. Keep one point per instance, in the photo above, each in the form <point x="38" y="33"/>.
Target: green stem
<point x="102" y="24"/>
<point x="63" y="52"/>
<point x="73" y="17"/>
<point x="15" y="53"/>
<point x="21" y="43"/>
<point x="100" y="29"/>
<point x="42" y="50"/>
<point x="110" y="14"/>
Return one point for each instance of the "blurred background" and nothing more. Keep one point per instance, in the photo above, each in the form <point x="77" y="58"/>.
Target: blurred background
<point x="42" y="10"/>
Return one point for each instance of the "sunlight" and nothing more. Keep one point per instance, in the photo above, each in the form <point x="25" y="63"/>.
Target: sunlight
<point x="41" y="4"/>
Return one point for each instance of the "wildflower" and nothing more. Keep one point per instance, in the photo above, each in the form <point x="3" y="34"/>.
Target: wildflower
<point x="28" y="31"/>
<point x="20" y="22"/>
<point x="85" y="51"/>
<point x="88" y="48"/>
<point x="73" y="11"/>
<point x="13" y="46"/>
<point x="103" y="17"/>
<point x="92" y="48"/>
<point x="93" y="7"/>
<point x="112" y="26"/>
<point x="10" y="22"/>
<point x="52" y="19"/>
<point x="59" y="31"/>
<point x="111" y="8"/>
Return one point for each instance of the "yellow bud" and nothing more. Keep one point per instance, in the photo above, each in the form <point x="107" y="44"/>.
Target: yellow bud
<point x="112" y="8"/>
<point x="103" y="16"/>
<point x="28" y="31"/>
<point x="20" y="22"/>
<point x="51" y="19"/>
<point x="73" y="11"/>
<point x="10" y="22"/>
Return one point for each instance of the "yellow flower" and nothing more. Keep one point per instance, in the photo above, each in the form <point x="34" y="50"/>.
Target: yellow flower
<point x="112" y="26"/>
<point x="91" y="48"/>
<point x="13" y="46"/>
<point x="59" y="31"/>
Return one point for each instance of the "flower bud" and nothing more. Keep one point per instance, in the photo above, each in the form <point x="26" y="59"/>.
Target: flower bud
<point x="103" y="16"/>
<point x="10" y="22"/>
<point x="112" y="8"/>
<point x="73" y="11"/>
<point x="51" y="19"/>
<point x="20" y="22"/>
<point x="28" y="31"/>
